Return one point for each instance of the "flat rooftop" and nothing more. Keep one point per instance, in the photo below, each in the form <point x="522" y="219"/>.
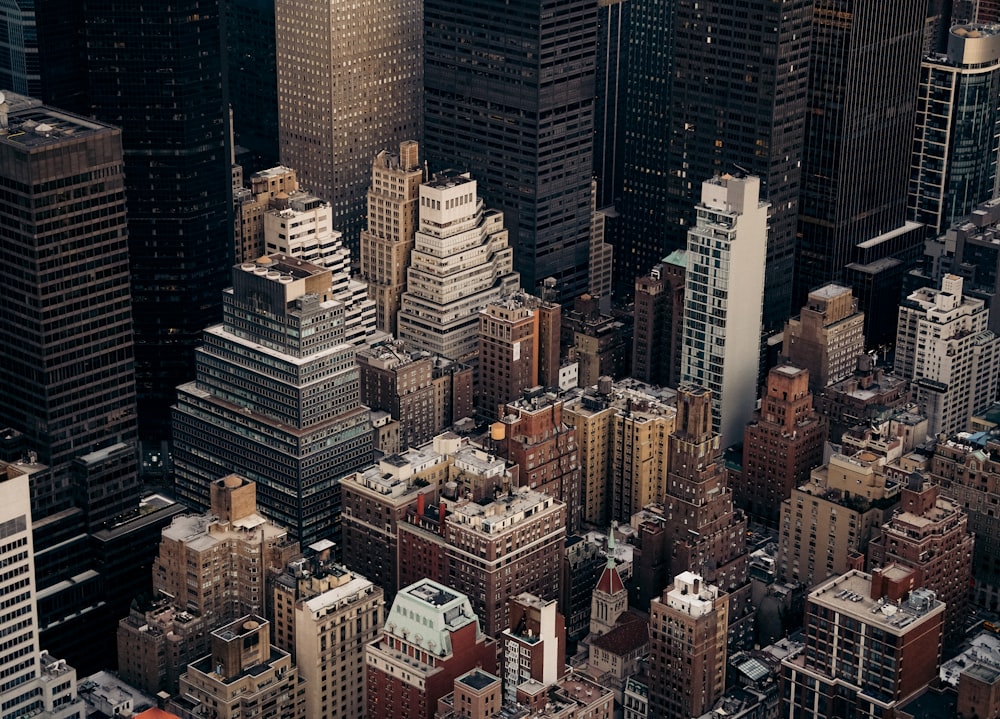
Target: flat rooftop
<point x="33" y="125"/>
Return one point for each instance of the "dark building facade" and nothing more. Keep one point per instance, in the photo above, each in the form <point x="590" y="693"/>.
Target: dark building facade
<point x="157" y="74"/>
<point x="713" y="90"/>
<point x="614" y="24"/>
<point x="659" y="321"/>
<point x="515" y="80"/>
<point x="855" y="166"/>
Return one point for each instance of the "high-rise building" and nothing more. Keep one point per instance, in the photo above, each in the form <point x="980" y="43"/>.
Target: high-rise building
<point x="591" y="415"/>
<point x="659" y="319"/>
<point x="352" y="90"/>
<point x="687" y="648"/>
<point x="67" y="369"/>
<point x="957" y="139"/>
<point x="976" y="257"/>
<point x="252" y="75"/>
<point x="723" y="285"/>
<point x="640" y="456"/>
<point x="609" y="107"/>
<point x="519" y="540"/>
<point x="401" y="383"/>
<point x="712" y="91"/>
<point x="827" y="337"/>
<point x="431" y="637"/>
<point x="157" y="642"/>
<point x="268" y="189"/>
<point x="528" y="86"/>
<point x="518" y="350"/>
<point x="855" y="170"/>
<point x="930" y="534"/>
<point x="781" y="445"/>
<point x="324" y="615"/>
<point x="537" y="440"/>
<point x="862" y="397"/>
<point x="387" y="241"/>
<point x="944" y="347"/>
<point x="34" y="683"/>
<point x="460" y="263"/>
<point x="861" y="632"/>
<point x="276" y="399"/>
<point x="178" y="178"/>
<point x="244" y="675"/>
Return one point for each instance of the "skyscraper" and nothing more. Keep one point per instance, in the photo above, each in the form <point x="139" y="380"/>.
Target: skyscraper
<point x="67" y="365"/>
<point x="509" y="95"/>
<point x="351" y="90"/>
<point x="276" y="399"/>
<point x="827" y="337"/>
<point x="723" y="286"/>
<point x="954" y="161"/>
<point x="713" y="90"/>
<point x="157" y="74"/>
<point x="859" y="129"/>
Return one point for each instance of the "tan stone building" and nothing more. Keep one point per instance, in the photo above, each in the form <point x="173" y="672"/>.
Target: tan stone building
<point x="392" y="222"/>
<point x="827" y="336"/>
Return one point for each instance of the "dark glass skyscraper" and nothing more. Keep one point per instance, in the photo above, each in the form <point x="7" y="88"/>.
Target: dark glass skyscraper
<point x="725" y="95"/>
<point x="609" y="109"/>
<point x="862" y="103"/>
<point x="157" y="74"/>
<point x="509" y="96"/>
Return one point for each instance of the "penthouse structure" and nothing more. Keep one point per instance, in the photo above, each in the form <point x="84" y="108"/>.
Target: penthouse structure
<point x="324" y="616"/>
<point x="534" y="436"/>
<point x="460" y="263"/>
<point x="861" y="632"/>
<point x="491" y="550"/>
<point x="827" y="336"/>
<point x="431" y="637"/>
<point x="244" y="675"/>
<point x="687" y="647"/>
<point x="387" y="241"/>
<point x="929" y="533"/>
<point x="276" y="398"/>
<point x="946" y="349"/>
<point x="781" y="444"/>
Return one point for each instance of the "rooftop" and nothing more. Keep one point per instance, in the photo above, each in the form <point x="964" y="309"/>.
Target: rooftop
<point x="34" y="125"/>
<point x="850" y="594"/>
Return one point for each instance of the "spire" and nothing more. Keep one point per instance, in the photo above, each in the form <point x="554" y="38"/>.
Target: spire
<point x="611" y="547"/>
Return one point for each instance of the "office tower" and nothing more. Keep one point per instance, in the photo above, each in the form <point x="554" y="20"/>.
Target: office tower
<point x="855" y="171"/>
<point x="67" y="375"/>
<point x="534" y="437"/>
<point x="387" y="241"/>
<point x="523" y="92"/>
<point x="324" y="615"/>
<point x="460" y="263"/>
<point x="861" y="632"/>
<point x="968" y="468"/>
<point x="534" y="646"/>
<point x="946" y="350"/>
<point x="226" y="553"/>
<point x="610" y="598"/>
<point x="518" y="350"/>
<point x="177" y="170"/>
<point x="929" y="534"/>
<point x="280" y="372"/>
<point x="252" y="75"/>
<point x="244" y="675"/>
<point x="352" y="90"/>
<point x="609" y="107"/>
<point x="42" y="52"/>
<point x="687" y="648"/>
<point x="431" y="637"/>
<point x="827" y="337"/>
<point x="723" y="285"/>
<point x="710" y="92"/>
<point x="781" y="444"/>
<point x="519" y="539"/>
<point x="955" y="146"/>
<point x="659" y="319"/>
<point x="34" y="682"/>
<point x="706" y="535"/>
<point x="401" y="383"/>
<point x="826" y="524"/>
<point x="861" y="397"/>
<point x="268" y="189"/>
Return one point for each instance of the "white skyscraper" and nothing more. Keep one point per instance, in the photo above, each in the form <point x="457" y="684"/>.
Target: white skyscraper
<point x="944" y="348"/>
<point x="723" y="289"/>
<point x="31" y="682"/>
<point x="460" y="263"/>
<point x="350" y="84"/>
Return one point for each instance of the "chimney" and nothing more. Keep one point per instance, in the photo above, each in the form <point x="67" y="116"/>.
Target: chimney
<point x="441" y="512"/>
<point x="421" y="499"/>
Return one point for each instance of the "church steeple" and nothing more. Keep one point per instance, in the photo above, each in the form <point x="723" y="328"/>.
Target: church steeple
<point x="610" y="598"/>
